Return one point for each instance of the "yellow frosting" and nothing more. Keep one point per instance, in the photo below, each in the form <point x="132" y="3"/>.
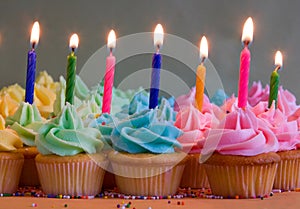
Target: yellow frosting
<point x="8" y="106"/>
<point x="9" y="139"/>
<point x="16" y="92"/>
<point x="44" y="79"/>
<point x="44" y="99"/>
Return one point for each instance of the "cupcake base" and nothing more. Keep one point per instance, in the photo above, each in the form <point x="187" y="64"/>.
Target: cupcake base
<point x="10" y="170"/>
<point x="147" y="174"/>
<point x="29" y="175"/>
<point x="78" y="175"/>
<point x="288" y="171"/>
<point x="246" y="177"/>
<point x="194" y="175"/>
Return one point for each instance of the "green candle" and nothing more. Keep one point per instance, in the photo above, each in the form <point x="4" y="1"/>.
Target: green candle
<point x="274" y="80"/>
<point x="71" y="70"/>
<point x="274" y="83"/>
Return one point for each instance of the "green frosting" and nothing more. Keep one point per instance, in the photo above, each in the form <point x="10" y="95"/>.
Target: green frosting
<point x="65" y="135"/>
<point x="26" y="122"/>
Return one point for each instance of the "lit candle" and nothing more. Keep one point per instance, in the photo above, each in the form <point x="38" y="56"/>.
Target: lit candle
<point x="200" y="74"/>
<point x="245" y="64"/>
<point x="109" y="73"/>
<point x="156" y="66"/>
<point x="274" y="80"/>
<point x="31" y="63"/>
<point x="71" y="69"/>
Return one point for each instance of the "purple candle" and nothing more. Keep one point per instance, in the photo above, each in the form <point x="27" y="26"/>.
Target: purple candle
<point x="156" y="66"/>
<point x="31" y="63"/>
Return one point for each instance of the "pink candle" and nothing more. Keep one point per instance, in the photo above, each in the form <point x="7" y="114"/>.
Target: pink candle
<point x="109" y="74"/>
<point x="245" y="64"/>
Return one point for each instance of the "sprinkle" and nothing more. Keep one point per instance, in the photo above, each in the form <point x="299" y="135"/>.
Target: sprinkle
<point x="237" y="197"/>
<point x="271" y="194"/>
<point x="297" y="190"/>
<point x="276" y="190"/>
<point x="169" y="201"/>
<point x="118" y="205"/>
<point x="34" y="205"/>
<point x="65" y="205"/>
<point x="182" y="203"/>
<point x="178" y="203"/>
<point x="262" y="198"/>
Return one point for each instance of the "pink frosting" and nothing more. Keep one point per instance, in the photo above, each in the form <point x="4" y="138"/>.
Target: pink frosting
<point x="185" y="100"/>
<point x="286" y="131"/>
<point x="295" y="117"/>
<point x="193" y="123"/>
<point x="257" y="93"/>
<point x="240" y="133"/>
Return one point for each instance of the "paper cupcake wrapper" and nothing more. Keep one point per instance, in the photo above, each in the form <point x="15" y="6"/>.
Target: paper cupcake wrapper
<point x="71" y="178"/>
<point x="10" y="171"/>
<point x="165" y="183"/>
<point x="194" y="175"/>
<point x="246" y="181"/>
<point x="288" y="174"/>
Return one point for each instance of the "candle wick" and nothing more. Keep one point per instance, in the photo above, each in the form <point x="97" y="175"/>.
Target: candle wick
<point x="158" y="48"/>
<point x="73" y="49"/>
<point x="202" y="60"/>
<point x="110" y="50"/>
<point x="33" y="45"/>
<point x="277" y="68"/>
<point x="246" y="43"/>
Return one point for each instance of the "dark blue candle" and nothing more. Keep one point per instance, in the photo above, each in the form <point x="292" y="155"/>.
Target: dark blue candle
<point x="30" y="78"/>
<point x="156" y="66"/>
<point x="31" y="63"/>
<point x="155" y="79"/>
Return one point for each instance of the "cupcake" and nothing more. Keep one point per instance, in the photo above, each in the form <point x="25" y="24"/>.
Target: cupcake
<point x="288" y="172"/>
<point x="145" y="161"/>
<point x="11" y="161"/>
<point x="26" y="122"/>
<point x="193" y="123"/>
<point x="239" y="156"/>
<point x="70" y="160"/>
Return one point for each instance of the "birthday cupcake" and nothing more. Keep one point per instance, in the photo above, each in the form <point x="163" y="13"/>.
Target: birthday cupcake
<point x="288" y="172"/>
<point x="11" y="161"/>
<point x="239" y="156"/>
<point x="70" y="160"/>
<point x="145" y="161"/>
<point x="26" y="122"/>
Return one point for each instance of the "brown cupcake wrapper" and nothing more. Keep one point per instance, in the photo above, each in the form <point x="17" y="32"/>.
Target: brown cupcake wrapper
<point x="194" y="175"/>
<point x="245" y="181"/>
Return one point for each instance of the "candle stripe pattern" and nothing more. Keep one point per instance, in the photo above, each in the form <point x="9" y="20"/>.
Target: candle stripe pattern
<point x="30" y="78"/>
<point x="108" y="83"/>
<point x="155" y="80"/>
<point x="274" y="83"/>
<point x="244" y="77"/>
<point x="71" y="78"/>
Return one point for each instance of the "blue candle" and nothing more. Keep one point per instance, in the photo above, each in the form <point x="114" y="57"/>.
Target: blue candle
<point x="31" y="64"/>
<point x="155" y="79"/>
<point x="156" y="66"/>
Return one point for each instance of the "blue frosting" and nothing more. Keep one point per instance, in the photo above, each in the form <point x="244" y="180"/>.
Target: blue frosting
<point x="219" y="97"/>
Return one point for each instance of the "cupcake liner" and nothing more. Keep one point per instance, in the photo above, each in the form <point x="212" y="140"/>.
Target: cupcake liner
<point x="10" y="171"/>
<point x="245" y="181"/>
<point x="288" y="171"/>
<point x="194" y="175"/>
<point x="137" y="174"/>
<point x="73" y="175"/>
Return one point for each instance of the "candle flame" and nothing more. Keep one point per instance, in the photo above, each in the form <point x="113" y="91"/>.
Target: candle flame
<point x="111" y="40"/>
<point x="74" y="40"/>
<point x="278" y="59"/>
<point x="158" y="35"/>
<point x="203" y="48"/>
<point x="35" y="33"/>
<point x="247" y="35"/>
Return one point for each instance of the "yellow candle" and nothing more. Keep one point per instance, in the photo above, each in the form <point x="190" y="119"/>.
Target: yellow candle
<point x="200" y="74"/>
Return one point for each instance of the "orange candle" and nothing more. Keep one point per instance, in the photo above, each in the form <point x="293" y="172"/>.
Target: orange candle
<point x="200" y="74"/>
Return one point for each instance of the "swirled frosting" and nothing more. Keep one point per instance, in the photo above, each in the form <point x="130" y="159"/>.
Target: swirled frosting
<point x="193" y="123"/>
<point x="240" y="133"/>
<point x="9" y="139"/>
<point x="65" y="135"/>
<point x="44" y="100"/>
<point x="44" y="79"/>
<point x="286" y="131"/>
<point x="257" y="93"/>
<point x="8" y="106"/>
<point x="16" y="92"/>
<point x="144" y="133"/>
<point x="26" y="122"/>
